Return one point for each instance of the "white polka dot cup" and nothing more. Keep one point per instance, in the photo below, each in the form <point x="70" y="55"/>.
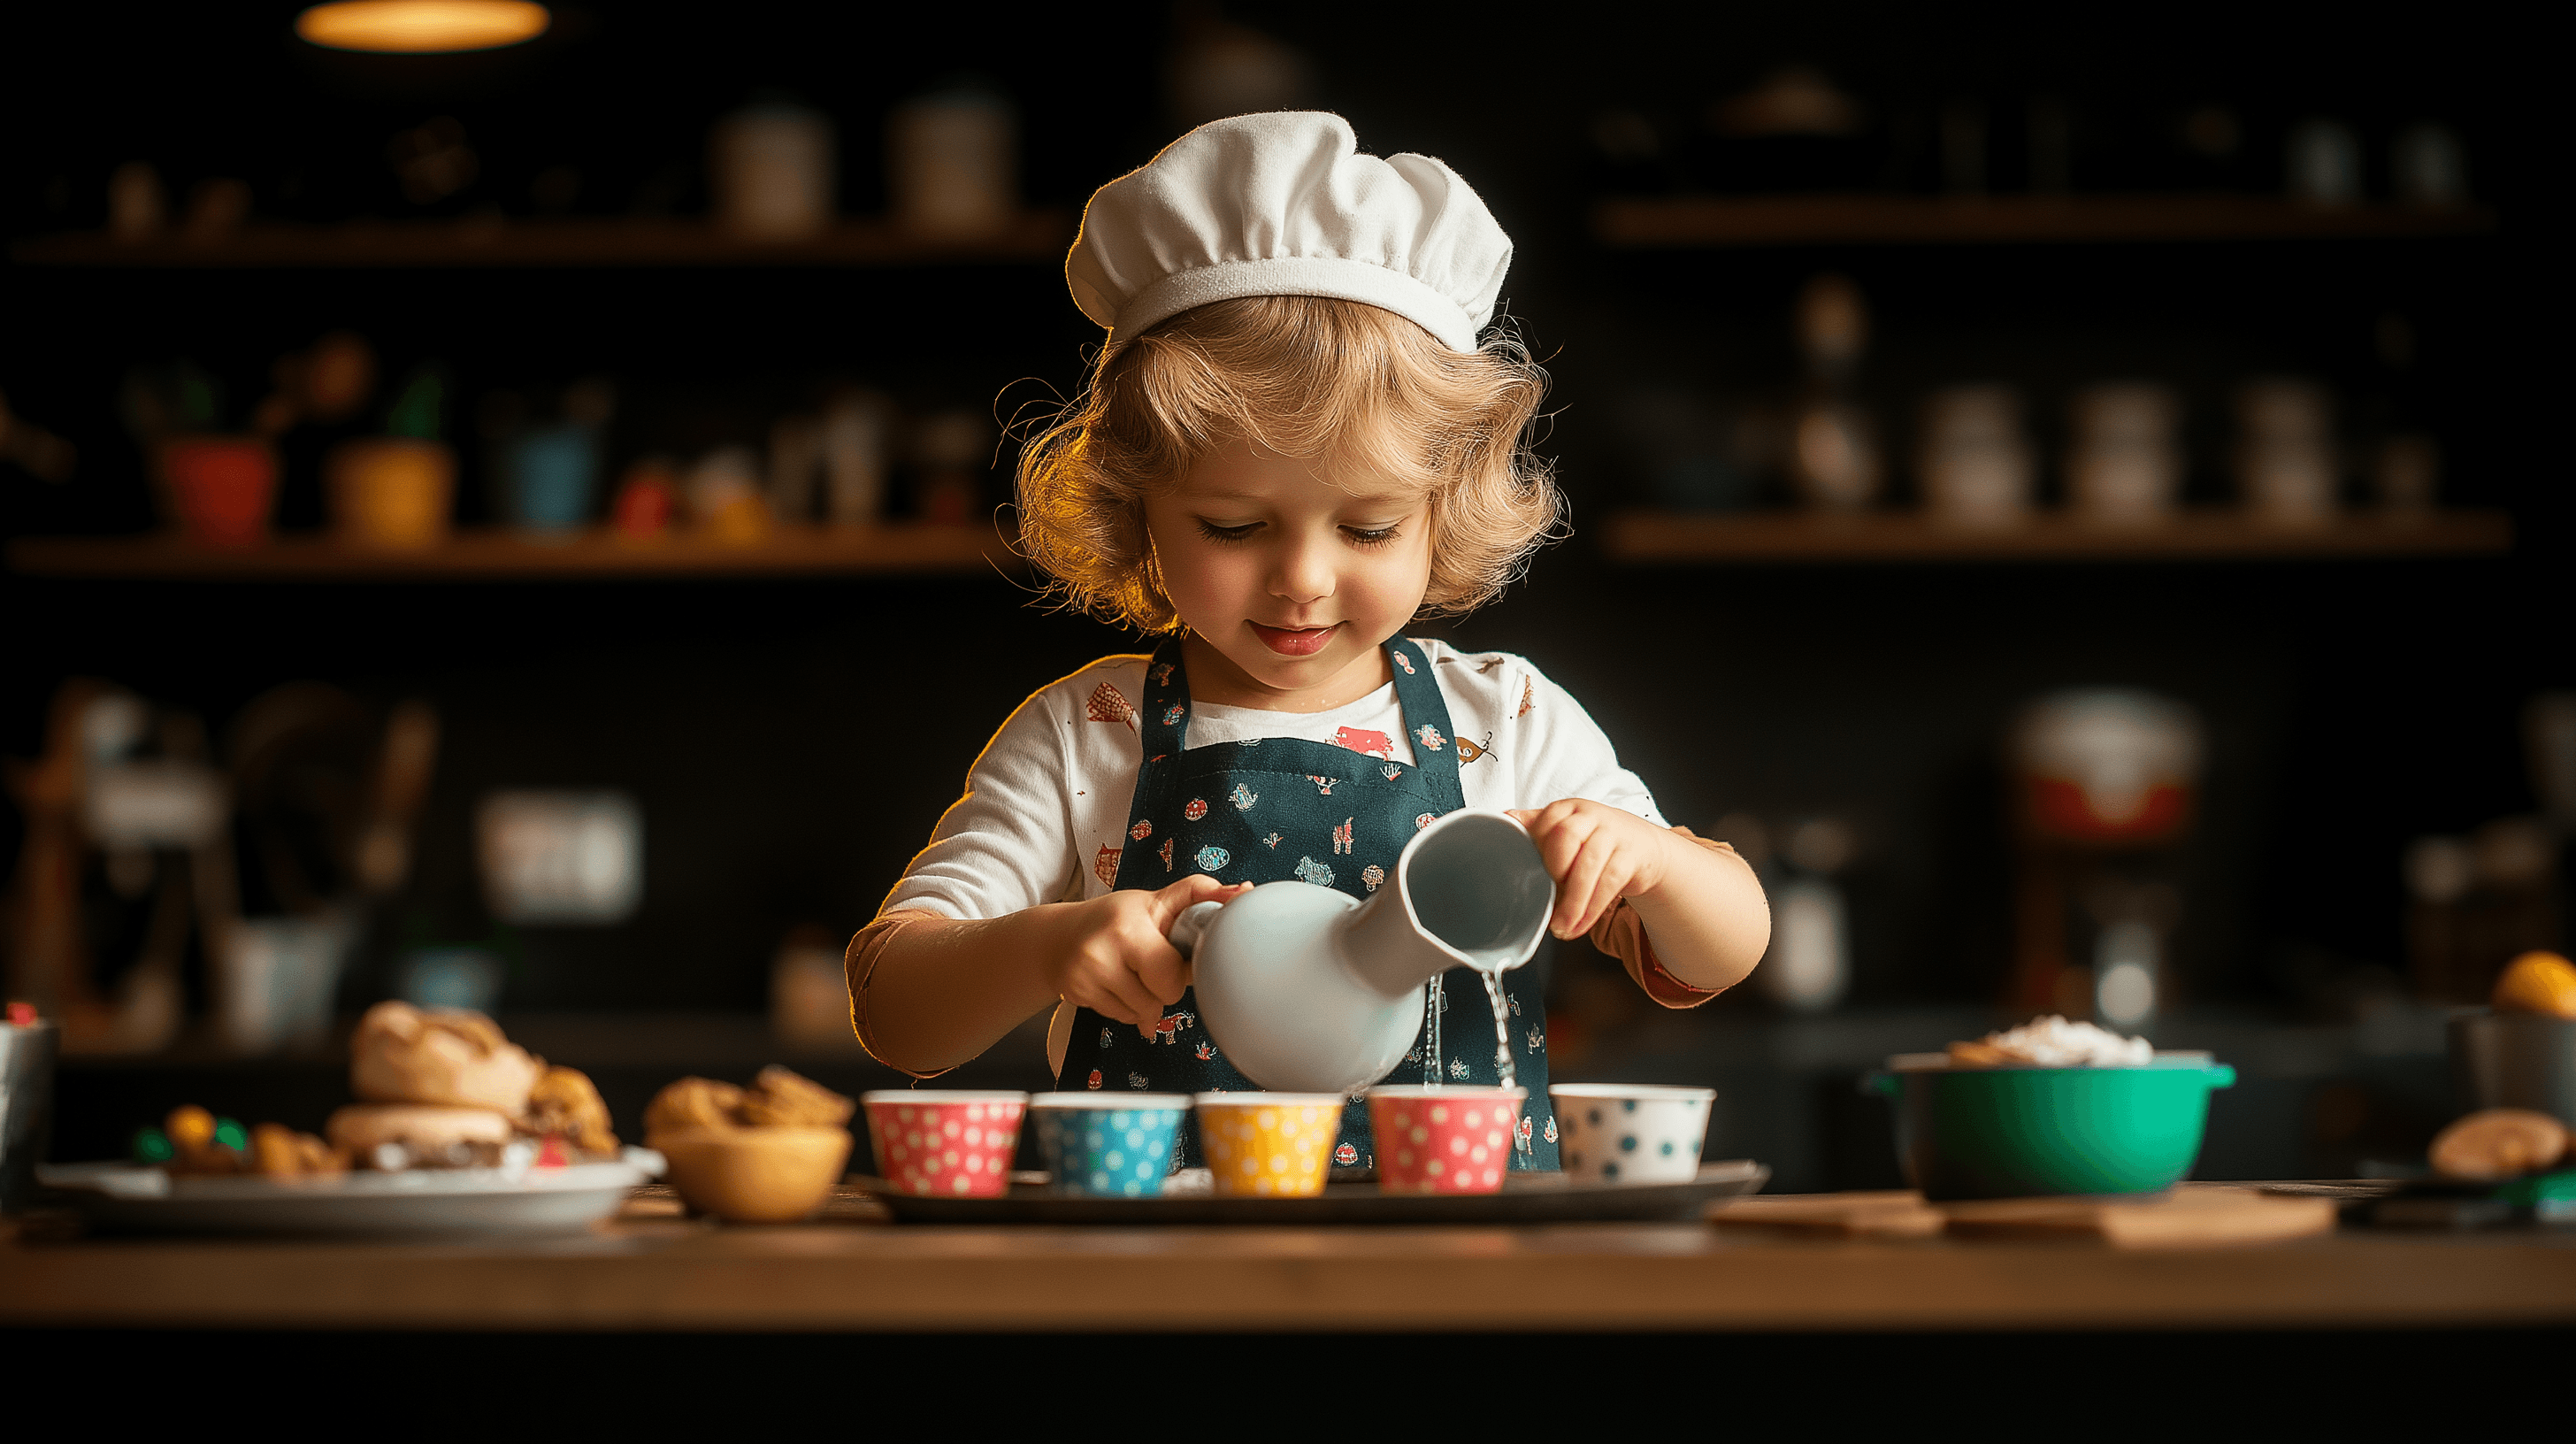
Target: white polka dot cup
<point x="1443" y="1140"/>
<point x="945" y="1143"/>
<point x="1108" y="1146"/>
<point x="1630" y="1132"/>
<point x="1269" y="1145"/>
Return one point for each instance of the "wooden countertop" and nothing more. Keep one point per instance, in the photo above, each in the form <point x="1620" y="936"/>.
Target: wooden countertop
<point x="651" y="1269"/>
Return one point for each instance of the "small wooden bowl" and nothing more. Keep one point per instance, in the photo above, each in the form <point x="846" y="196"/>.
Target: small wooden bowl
<point x="754" y="1175"/>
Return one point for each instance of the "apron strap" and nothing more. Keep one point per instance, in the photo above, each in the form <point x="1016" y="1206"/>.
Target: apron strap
<point x="1426" y="721"/>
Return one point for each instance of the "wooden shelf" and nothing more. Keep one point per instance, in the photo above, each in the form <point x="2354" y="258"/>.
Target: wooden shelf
<point x="496" y="242"/>
<point x="1936" y="220"/>
<point x="1808" y="537"/>
<point x="485" y="556"/>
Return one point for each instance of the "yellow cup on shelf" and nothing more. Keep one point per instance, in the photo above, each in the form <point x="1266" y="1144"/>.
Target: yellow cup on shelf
<point x="391" y="491"/>
<point x="1269" y="1145"/>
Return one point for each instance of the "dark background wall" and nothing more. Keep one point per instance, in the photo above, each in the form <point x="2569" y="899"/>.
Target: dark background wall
<point x="792" y="742"/>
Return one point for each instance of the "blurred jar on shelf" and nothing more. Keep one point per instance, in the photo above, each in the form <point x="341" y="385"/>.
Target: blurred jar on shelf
<point x="725" y="497"/>
<point x="1833" y="443"/>
<point x="223" y="488"/>
<point x="950" y="450"/>
<point x="396" y="490"/>
<point x="2125" y="466"/>
<point x="2477" y="902"/>
<point x="855" y="429"/>
<point x="775" y="170"/>
<point x="952" y="158"/>
<point x="1809" y="966"/>
<point x="2427" y="167"/>
<point x="648" y="498"/>
<point x="2285" y="455"/>
<point x="2321" y="162"/>
<point x="1975" y="463"/>
<point x="560" y="857"/>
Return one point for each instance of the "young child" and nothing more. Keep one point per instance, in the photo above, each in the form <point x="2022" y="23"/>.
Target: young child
<point x="1291" y="446"/>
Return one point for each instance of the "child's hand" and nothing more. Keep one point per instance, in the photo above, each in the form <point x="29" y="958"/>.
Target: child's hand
<point x="1598" y="854"/>
<point x="1118" y="959"/>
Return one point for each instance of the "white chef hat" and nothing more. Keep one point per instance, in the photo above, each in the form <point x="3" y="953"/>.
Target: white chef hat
<point x="1283" y="204"/>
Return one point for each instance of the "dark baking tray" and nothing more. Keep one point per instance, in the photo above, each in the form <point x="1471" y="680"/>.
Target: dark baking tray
<point x="1526" y="1198"/>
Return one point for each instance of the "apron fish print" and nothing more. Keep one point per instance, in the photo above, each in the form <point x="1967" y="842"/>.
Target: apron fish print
<point x="1333" y="815"/>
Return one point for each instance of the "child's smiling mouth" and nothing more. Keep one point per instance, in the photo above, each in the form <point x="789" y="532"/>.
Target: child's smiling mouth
<point x="1294" y="642"/>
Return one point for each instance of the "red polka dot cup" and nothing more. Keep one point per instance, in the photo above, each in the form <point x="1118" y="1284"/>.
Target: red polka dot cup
<point x="1443" y="1140"/>
<point x="945" y="1143"/>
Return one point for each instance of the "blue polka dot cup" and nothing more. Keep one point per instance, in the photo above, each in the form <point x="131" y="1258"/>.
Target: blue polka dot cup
<point x="1115" y="1147"/>
<point x="1630" y="1132"/>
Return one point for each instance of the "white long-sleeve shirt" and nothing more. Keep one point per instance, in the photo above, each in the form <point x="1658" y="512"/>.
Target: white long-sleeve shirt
<point x="1046" y="805"/>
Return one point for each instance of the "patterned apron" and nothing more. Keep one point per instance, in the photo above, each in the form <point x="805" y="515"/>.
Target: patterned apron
<point x="1282" y="809"/>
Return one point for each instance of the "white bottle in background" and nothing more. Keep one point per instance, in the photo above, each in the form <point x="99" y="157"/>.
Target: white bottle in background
<point x="853" y="440"/>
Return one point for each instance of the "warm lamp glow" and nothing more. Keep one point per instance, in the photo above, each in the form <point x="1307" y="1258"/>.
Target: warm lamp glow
<point x="415" y="27"/>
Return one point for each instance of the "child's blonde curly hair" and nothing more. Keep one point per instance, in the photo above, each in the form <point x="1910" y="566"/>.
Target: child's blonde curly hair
<point x="1303" y="376"/>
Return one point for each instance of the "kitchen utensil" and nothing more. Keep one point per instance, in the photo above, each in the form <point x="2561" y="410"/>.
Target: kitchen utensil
<point x="2124" y="466"/>
<point x="951" y="1142"/>
<point x="390" y="491"/>
<point x="755" y="1175"/>
<point x="1309" y="990"/>
<point x="122" y="1198"/>
<point x="1118" y="1147"/>
<point x="2020" y="1132"/>
<point x="1443" y="1140"/>
<point x="1975" y="461"/>
<point x="27" y="1048"/>
<point x="1524" y="1198"/>
<point x="223" y="487"/>
<point x="2507" y="1060"/>
<point x="773" y="167"/>
<point x="1631" y="1132"/>
<point x="1268" y="1145"/>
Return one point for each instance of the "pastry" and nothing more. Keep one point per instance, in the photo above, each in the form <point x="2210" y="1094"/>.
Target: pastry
<point x="566" y="1104"/>
<point x="779" y="1098"/>
<point x="280" y="1152"/>
<point x="2495" y="1144"/>
<point x="402" y="1054"/>
<point x="2541" y="983"/>
<point x="692" y="1103"/>
<point x="394" y="1136"/>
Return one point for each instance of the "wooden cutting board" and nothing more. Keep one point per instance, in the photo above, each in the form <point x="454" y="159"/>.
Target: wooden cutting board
<point x="2192" y="1216"/>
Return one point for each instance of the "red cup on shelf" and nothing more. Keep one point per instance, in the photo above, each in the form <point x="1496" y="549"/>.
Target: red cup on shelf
<point x="945" y="1143"/>
<point x="1443" y="1140"/>
<point x="224" y="488"/>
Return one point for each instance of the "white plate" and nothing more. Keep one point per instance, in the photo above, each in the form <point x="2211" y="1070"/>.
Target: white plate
<point x="124" y="1198"/>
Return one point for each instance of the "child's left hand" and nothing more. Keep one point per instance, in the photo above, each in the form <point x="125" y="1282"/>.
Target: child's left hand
<point x="1598" y="854"/>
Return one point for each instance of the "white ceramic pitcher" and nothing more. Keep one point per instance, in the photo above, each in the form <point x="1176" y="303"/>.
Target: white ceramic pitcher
<point x="1309" y="990"/>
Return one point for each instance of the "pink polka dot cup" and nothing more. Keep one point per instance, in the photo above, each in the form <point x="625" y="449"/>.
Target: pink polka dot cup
<point x="1443" y="1140"/>
<point x="945" y="1143"/>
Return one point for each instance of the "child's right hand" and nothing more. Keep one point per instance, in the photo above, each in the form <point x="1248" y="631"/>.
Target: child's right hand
<point x="1117" y="957"/>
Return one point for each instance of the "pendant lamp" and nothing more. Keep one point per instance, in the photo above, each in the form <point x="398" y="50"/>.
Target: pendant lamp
<point x="420" y="27"/>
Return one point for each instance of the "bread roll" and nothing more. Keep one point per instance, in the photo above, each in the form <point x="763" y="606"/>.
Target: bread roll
<point x="453" y="1058"/>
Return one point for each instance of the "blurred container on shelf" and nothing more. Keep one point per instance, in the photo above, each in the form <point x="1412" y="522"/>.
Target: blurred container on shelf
<point x="390" y="491"/>
<point x="774" y="168"/>
<point x="1975" y="462"/>
<point x="953" y="163"/>
<point x="725" y="499"/>
<point x="276" y="978"/>
<point x="224" y="488"/>
<point x="560" y="857"/>
<point x="795" y="466"/>
<point x="1833" y="443"/>
<point x="2427" y="167"/>
<point x="1795" y="131"/>
<point x="950" y="450"/>
<point x="1217" y="69"/>
<point x="854" y="436"/>
<point x="553" y="477"/>
<point x="216" y="209"/>
<point x="809" y="998"/>
<point x="2125" y="464"/>
<point x="1963" y="147"/>
<point x="2105" y="782"/>
<point x="2476" y="902"/>
<point x="2406" y="474"/>
<point x="1809" y="966"/>
<point x="28" y="1043"/>
<point x="468" y="978"/>
<point x="2321" y="163"/>
<point x="137" y="207"/>
<point x="2285" y="457"/>
<point x="648" y="498"/>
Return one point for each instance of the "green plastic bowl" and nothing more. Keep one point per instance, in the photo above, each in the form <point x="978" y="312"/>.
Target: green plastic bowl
<point x="2024" y="1132"/>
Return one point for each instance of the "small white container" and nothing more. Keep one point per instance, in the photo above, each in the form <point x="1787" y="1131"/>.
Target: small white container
<point x="1630" y="1132"/>
<point x="773" y="168"/>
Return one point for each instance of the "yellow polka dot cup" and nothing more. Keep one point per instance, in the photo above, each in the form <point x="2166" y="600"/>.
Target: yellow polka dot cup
<point x="1443" y="1140"/>
<point x="1269" y="1145"/>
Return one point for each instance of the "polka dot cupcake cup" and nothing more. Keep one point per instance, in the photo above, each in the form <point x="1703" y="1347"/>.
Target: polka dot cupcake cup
<point x="1443" y="1140"/>
<point x="944" y="1143"/>
<point x="1269" y="1145"/>
<point x="1119" y="1148"/>
<point x="1630" y="1132"/>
